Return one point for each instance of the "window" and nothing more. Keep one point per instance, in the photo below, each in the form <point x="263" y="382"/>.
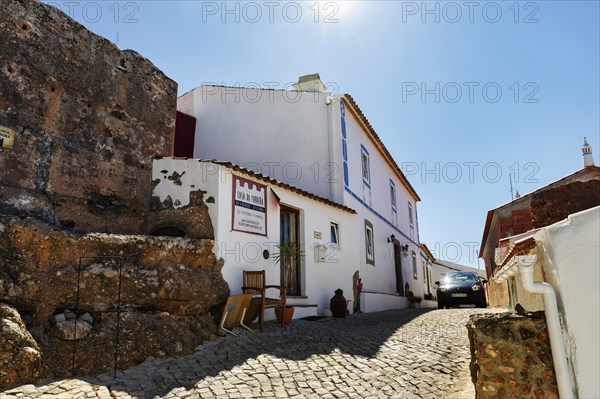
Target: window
<point x="344" y="144"/>
<point x="410" y="214"/>
<point x="369" y="234"/>
<point x="369" y="243"/>
<point x="393" y="195"/>
<point x="417" y="220"/>
<point x="414" y="263"/>
<point x="335" y="233"/>
<point x="366" y="173"/>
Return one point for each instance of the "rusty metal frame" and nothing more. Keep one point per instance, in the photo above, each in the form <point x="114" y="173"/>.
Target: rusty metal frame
<point x="120" y="262"/>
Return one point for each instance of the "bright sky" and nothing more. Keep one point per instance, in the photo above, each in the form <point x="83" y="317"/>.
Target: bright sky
<point x="462" y="93"/>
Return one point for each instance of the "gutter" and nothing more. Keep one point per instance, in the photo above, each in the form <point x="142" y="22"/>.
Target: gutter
<point x="523" y="265"/>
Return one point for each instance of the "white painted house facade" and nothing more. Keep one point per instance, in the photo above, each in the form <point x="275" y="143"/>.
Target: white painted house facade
<point x="324" y="145"/>
<point x="564" y="259"/>
<point x="270" y="210"/>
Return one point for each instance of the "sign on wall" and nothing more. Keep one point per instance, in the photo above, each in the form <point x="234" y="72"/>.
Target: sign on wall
<point x="249" y="206"/>
<point x="7" y="137"/>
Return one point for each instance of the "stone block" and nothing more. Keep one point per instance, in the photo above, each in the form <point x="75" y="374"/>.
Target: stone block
<point x="524" y="373"/>
<point x="88" y="121"/>
<point x="20" y="355"/>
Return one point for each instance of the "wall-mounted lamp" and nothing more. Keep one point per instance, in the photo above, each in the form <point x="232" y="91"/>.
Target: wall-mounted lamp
<point x="391" y="238"/>
<point x="404" y="248"/>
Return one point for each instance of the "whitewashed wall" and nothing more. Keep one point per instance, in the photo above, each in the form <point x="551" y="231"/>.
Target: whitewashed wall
<point x="440" y="268"/>
<point x="382" y="276"/>
<point x="242" y="251"/>
<point x="283" y="134"/>
<point x="571" y="258"/>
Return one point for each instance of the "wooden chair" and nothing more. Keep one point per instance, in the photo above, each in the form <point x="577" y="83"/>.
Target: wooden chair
<point x="254" y="283"/>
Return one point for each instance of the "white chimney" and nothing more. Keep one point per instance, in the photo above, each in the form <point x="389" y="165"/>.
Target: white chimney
<point x="588" y="158"/>
<point x="310" y="83"/>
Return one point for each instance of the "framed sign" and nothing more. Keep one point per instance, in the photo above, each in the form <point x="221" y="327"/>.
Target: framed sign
<point x="249" y="206"/>
<point x="7" y="137"/>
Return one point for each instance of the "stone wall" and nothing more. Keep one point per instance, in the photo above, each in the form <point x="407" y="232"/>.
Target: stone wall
<point x="88" y="119"/>
<point x="511" y="356"/>
<point x="553" y="205"/>
<point x="497" y="293"/>
<point x="172" y="290"/>
<point x="20" y="356"/>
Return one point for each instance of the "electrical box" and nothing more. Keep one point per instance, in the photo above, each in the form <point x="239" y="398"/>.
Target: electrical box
<point x="320" y="253"/>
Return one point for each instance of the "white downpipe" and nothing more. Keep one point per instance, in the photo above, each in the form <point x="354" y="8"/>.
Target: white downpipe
<point x="557" y="344"/>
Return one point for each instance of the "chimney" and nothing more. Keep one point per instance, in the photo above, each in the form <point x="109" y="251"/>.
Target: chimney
<point x="310" y="83"/>
<point x="588" y="158"/>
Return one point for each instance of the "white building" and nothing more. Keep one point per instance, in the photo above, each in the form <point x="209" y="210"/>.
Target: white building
<point x="440" y="268"/>
<point x="271" y="210"/>
<point x="562" y="261"/>
<point x="324" y="145"/>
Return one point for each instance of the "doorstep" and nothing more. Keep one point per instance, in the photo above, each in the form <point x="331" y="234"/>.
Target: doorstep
<point x="303" y="309"/>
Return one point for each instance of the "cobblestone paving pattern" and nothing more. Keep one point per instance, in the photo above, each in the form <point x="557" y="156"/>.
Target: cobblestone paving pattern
<point x="411" y="353"/>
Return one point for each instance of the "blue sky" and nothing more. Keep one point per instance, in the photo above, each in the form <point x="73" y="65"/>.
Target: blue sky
<point x="510" y="87"/>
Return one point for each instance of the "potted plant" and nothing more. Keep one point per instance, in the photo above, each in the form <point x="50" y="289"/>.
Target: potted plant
<point x="288" y="252"/>
<point x="418" y="301"/>
<point x="411" y="299"/>
<point x="287" y="314"/>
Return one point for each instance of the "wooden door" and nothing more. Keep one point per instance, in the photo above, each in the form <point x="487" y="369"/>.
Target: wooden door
<point x="290" y="232"/>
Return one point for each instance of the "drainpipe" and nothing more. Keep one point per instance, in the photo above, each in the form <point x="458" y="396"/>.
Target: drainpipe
<point x="557" y="344"/>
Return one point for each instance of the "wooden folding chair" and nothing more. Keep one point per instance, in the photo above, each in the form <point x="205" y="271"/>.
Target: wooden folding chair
<point x="254" y="283"/>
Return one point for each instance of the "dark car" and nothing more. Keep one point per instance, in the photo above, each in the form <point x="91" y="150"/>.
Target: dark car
<point x="461" y="288"/>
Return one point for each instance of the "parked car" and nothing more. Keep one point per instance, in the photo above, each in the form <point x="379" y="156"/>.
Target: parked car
<point x="461" y="288"/>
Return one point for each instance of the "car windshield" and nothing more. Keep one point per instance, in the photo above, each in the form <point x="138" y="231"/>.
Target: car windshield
<point x="458" y="277"/>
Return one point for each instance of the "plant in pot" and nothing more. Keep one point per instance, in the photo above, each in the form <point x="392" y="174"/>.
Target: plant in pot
<point x="418" y="300"/>
<point x="288" y="253"/>
<point x="411" y="299"/>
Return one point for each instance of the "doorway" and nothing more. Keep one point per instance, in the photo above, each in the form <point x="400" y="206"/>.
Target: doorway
<point x="289" y="232"/>
<point x="398" y="265"/>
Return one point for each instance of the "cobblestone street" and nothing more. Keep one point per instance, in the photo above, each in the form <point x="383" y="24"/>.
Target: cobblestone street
<point x="409" y="353"/>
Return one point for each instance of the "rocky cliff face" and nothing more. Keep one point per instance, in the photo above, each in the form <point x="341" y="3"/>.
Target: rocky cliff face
<point x="88" y="119"/>
<point x="20" y="356"/>
<point x="163" y="290"/>
<point x="80" y="122"/>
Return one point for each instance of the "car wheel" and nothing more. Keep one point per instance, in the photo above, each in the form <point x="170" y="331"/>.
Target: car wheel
<point x="440" y="304"/>
<point x="482" y="305"/>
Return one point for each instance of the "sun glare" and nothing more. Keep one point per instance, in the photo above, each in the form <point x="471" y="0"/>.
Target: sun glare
<point x="335" y="11"/>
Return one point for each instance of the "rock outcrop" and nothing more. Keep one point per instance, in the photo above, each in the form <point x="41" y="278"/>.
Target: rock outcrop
<point x="511" y="356"/>
<point x="88" y="119"/>
<point x="80" y="123"/>
<point x="171" y="290"/>
<point x="20" y="356"/>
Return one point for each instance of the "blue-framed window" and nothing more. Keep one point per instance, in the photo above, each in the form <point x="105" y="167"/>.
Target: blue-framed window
<point x="369" y="243"/>
<point x="366" y="165"/>
<point x="344" y="145"/>
<point x="393" y="196"/>
<point x="335" y="233"/>
<point x="414" y="265"/>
